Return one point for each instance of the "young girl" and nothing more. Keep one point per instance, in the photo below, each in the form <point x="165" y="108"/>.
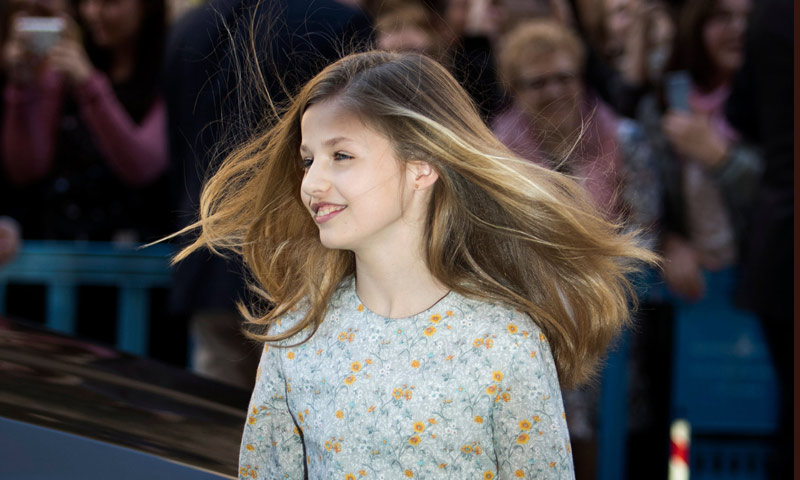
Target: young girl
<point x="431" y="291"/>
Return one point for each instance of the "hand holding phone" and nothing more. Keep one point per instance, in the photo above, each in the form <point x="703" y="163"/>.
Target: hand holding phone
<point x="39" y="34"/>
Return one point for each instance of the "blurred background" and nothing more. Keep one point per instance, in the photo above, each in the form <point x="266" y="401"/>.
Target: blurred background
<point x="676" y="116"/>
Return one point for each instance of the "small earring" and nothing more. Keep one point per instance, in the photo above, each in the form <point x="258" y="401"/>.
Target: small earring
<point x="416" y="186"/>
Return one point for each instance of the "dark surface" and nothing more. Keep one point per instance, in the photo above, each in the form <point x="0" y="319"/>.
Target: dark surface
<point x="95" y="392"/>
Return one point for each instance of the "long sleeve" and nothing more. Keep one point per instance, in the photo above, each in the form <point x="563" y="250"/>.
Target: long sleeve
<point x="272" y="446"/>
<point x="136" y="153"/>
<point x="530" y="429"/>
<point x="30" y="123"/>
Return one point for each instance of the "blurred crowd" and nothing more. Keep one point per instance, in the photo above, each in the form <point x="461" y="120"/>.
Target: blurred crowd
<point x="113" y="110"/>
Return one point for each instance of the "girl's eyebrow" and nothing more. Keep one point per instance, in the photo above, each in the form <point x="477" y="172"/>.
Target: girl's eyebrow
<point x="331" y="142"/>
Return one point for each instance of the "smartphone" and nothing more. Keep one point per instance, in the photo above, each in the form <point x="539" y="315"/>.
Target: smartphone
<point x="40" y="33"/>
<point x="676" y="90"/>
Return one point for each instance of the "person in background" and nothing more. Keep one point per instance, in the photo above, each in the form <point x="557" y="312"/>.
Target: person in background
<point x="83" y="127"/>
<point x="759" y="108"/>
<point x="554" y="120"/>
<point x="711" y="172"/>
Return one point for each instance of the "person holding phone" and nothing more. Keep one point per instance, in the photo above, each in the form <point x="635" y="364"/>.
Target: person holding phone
<point x="83" y="126"/>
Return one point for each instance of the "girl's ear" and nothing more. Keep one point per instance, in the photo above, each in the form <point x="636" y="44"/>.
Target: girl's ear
<point x="421" y="175"/>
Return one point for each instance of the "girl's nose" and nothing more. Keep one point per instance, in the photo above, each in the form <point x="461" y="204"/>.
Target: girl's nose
<point x="315" y="179"/>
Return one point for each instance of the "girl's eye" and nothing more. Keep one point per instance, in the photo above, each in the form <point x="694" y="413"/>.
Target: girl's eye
<point x="305" y="163"/>
<point x="341" y="156"/>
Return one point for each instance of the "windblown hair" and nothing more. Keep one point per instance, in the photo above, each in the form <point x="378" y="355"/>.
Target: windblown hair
<point x="499" y="228"/>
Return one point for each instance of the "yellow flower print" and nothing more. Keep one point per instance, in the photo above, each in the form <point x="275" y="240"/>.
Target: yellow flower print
<point x="533" y="354"/>
<point x="255" y="410"/>
<point x="300" y="416"/>
<point x="408" y="395"/>
<point x="449" y="357"/>
<point x="342" y="336"/>
<point x="512" y="329"/>
<point x="397" y="393"/>
<point x="488" y="475"/>
<point x="552" y="464"/>
<point x="477" y="450"/>
<point x="523" y="439"/>
<point x="478" y="419"/>
<point x="368" y="361"/>
<point x="339" y="414"/>
<point x="432" y="421"/>
<point x="363" y="473"/>
<point x="349" y="380"/>
<point x="429" y="331"/>
<point x="409" y="473"/>
<point x="415" y="364"/>
<point x="542" y="337"/>
<point x="419" y="427"/>
<point x="251" y="420"/>
<point x="414" y="440"/>
<point x="466" y="449"/>
<point x="328" y="445"/>
<point x="537" y="418"/>
<point x="290" y="355"/>
<point x="360" y="308"/>
<point x="355" y="367"/>
<point x="349" y="476"/>
<point x="506" y="396"/>
<point x="491" y="389"/>
<point x="477" y="343"/>
<point x="250" y="447"/>
<point x="449" y="313"/>
<point x="337" y="447"/>
<point x="524" y="425"/>
<point x="319" y="352"/>
<point x="519" y="473"/>
<point x="488" y="343"/>
<point x="442" y="465"/>
<point x="497" y="375"/>
<point x="436" y="318"/>
<point x="266" y="348"/>
<point x="371" y="408"/>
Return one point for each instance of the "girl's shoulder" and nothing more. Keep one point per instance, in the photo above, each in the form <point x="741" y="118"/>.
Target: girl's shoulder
<point x="484" y="317"/>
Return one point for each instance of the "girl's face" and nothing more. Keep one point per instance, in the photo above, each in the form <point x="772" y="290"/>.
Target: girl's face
<point x="112" y="23"/>
<point x="550" y="90"/>
<point x="354" y="187"/>
<point x="723" y="34"/>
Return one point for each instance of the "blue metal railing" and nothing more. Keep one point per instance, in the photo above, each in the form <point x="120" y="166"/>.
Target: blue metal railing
<point x="63" y="266"/>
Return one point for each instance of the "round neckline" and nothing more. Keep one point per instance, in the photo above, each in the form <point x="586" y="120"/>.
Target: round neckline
<point x="409" y="317"/>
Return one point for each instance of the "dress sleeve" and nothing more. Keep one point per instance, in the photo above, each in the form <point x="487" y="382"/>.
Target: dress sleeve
<point x="136" y="153"/>
<point x="272" y="444"/>
<point x="30" y="123"/>
<point x="528" y="420"/>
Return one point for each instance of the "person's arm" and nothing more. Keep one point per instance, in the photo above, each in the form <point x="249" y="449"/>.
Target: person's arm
<point x="136" y="153"/>
<point x="30" y="123"/>
<point x="528" y="420"/>
<point x="271" y="443"/>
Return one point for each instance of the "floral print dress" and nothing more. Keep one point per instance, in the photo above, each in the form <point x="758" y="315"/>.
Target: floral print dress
<point x="465" y="390"/>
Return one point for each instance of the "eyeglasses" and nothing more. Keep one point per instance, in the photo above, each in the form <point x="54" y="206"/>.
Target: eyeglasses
<point x="538" y="83"/>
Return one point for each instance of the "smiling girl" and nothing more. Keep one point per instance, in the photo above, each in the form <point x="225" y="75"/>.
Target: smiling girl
<point x="431" y="291"/>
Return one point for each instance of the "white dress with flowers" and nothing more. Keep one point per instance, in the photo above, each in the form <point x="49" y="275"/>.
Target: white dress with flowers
<point x="464" y="390"/>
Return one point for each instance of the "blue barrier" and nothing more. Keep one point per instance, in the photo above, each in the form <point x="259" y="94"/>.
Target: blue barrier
<point x="63" y="266"/>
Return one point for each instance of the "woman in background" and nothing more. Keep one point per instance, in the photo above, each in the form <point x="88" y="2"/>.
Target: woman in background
<point x="83" y="133"/>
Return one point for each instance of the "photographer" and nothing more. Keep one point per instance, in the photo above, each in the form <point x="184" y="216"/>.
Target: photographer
<point x="83" y="127"/>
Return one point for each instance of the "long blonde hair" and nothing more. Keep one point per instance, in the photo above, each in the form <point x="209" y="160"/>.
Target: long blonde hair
<point x="498" y="228"/>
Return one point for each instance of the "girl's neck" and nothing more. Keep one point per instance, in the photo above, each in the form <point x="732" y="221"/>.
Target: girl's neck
<point x="122" y="63"/>
<point x="397" y="285"/>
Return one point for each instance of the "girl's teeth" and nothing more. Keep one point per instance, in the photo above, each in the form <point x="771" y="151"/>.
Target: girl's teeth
<point x="326" y="210"/>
